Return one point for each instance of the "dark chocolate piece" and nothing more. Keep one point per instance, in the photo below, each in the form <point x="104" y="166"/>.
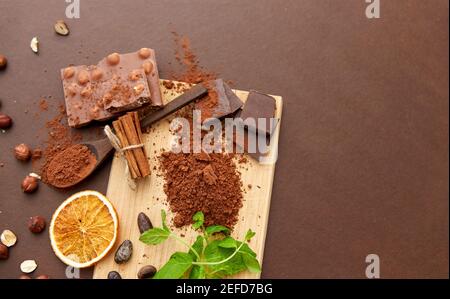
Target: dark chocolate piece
<point x="189" y="96"/>
<point x="118" y="83"/>
<point x="235" y="102"/>
<point x="220" y="102"/>
<point x="215" y="104"/>
<point x="242" y="142"/>
<point x="258" y="114"/>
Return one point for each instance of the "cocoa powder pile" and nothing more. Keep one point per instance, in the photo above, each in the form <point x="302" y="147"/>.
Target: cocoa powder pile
<point x="202" y="182"/>
<point x="70" y="165"/>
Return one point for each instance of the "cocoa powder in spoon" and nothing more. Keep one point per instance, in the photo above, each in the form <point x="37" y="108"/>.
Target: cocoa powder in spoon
<point x="70" y="165"/>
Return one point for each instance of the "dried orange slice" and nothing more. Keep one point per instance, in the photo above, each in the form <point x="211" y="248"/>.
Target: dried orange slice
<point x="83" y="229"/>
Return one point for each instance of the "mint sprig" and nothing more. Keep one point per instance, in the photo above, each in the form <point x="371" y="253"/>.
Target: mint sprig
<point x="214" y="254"/>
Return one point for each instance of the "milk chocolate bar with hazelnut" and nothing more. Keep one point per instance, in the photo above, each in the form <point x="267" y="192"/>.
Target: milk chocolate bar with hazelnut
<point x="118" y="83"/>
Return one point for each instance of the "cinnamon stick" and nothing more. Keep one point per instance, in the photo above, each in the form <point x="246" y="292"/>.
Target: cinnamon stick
<point x="132" y="136"/>
<point x="132" y="164"/>
<point x="145" y="167"/>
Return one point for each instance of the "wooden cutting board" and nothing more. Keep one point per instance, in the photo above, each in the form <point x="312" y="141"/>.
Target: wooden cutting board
<point x="149" y="197"/>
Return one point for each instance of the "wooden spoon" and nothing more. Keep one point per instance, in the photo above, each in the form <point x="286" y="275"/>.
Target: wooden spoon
<point x="102" y="148"/>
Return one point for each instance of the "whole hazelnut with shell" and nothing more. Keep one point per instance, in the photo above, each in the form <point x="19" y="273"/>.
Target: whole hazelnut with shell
<point x="36" y="224"/>
<point x="3" y="62"/>
<point x="22" y="152"/>
<point x="30" y="183"/>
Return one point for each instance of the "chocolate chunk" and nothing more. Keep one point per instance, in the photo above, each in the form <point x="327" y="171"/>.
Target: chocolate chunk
<point x="186" y="98"/>
<point x="233" y="99"/>
<point x="258" y="114"/>
<point x="220" y="102"/>
<point x="247" y="141"/>
<point x="241" y="141"/>
<point x="118" y="83"/>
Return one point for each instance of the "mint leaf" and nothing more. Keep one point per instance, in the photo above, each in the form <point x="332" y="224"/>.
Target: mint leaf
<point x="178" y="264"/>
<point x="154" y="236"/>
<point x="217" y="229"/>
<point x="197" y="272"/>
<point x="249" y="235"/>
<point x="214" y="253"/>
<point x="199" y="219"/>
<point x="163" y="219"/>
<point x="251" y="263"/>
<point x="246" y="249"/>
<point x="198" y="247"/>
<point x="228" y="242"/>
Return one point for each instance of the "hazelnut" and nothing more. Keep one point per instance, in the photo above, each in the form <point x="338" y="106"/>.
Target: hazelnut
<point x="43" y="276"/>
<point x="83" y="77"/>
<point x="28" y="266"/>
<point x="36" y="224"/>
<point x="24" y="276"/>
<point x="135" y="75"/>
<point x="113" y="58"/>
<point x="68" y="72"/>
<point x="95" y="112"/>
<point x="3" y="62"/>
<point x="97" y="74"/>
<point x="8" y="238"/>
<point x="61" y="28"/>
<point x="86" y="92"/>
<point x="138" y="89"/>
<point x="22" y="152"/>
<point x="34" y="44"/>
<point x="144" y="53"/>
<point x="72" y="89"/>
<point x="5" y="121"/>
<point x="148" y="67"/>
<point x="4" y="252"/>
<point x="107" y="98"/>
<point x="30" y="184"/>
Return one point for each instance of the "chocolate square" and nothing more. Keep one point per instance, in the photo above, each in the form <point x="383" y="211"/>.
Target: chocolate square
<point x="258" y="114"/>
<point x="220" y="101"/>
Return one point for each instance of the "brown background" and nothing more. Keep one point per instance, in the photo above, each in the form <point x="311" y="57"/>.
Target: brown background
<point x="363" y="164"/>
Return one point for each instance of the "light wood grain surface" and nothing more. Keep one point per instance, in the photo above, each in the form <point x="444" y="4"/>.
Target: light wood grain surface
<point x="149" y="197"/>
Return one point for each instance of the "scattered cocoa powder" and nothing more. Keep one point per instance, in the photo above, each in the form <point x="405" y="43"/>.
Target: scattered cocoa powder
<point x="70" y="165"/>
<point x="193" y="72"/>
<point x="36" y="154"/>
<point x="43" y="104"/>
<point x="195" y="183"/>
